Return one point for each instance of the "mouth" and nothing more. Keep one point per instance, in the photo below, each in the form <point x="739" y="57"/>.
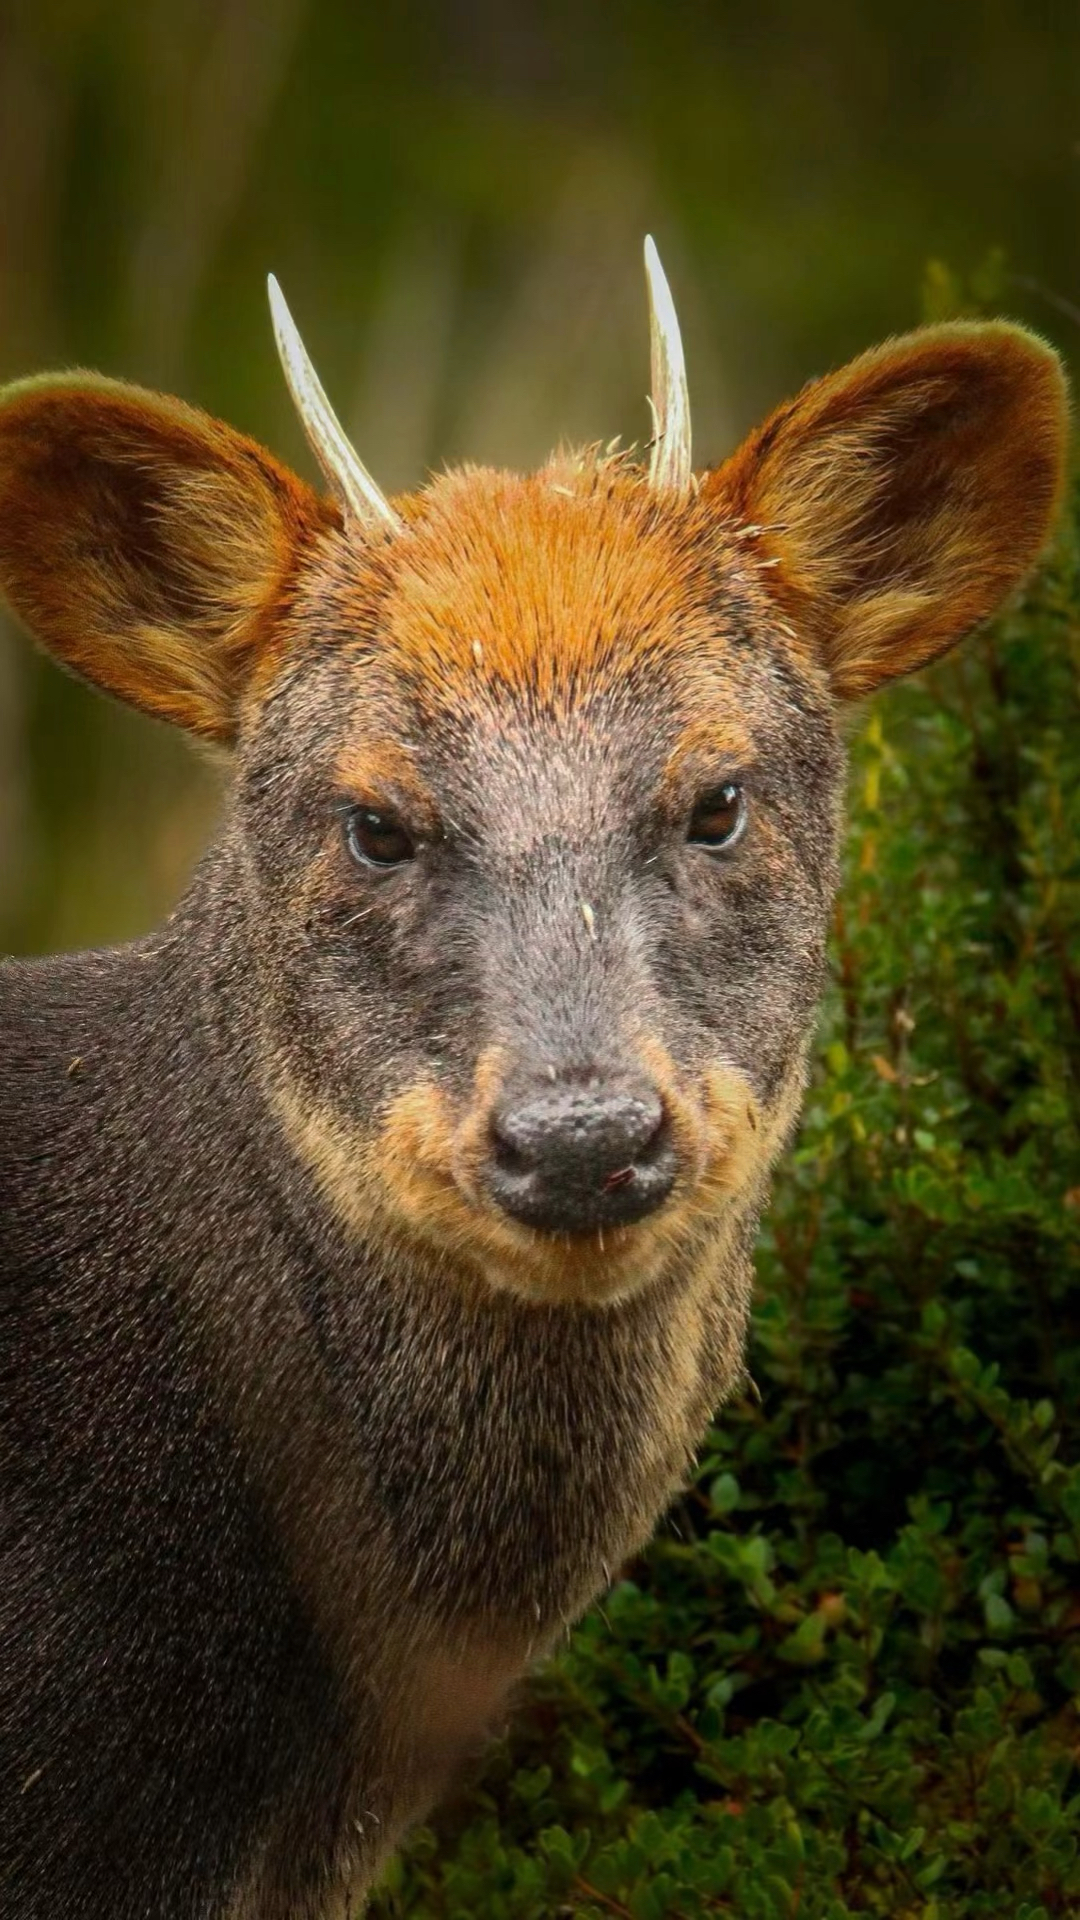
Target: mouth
<point x="591" y="1232"/>
<point x="596" y="1266"/>
<point x="590" y="1196"/>
<point x="444" y="1207"/>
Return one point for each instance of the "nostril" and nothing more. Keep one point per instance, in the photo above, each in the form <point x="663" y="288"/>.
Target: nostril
<point x="652" y="1150"/>
<point x="574" y="1155"/>
<point x="507" y="1153"/>
<point x="628" y="1132"/>
<point x="519" y="1131"/>
<point x="648" y="1132"/>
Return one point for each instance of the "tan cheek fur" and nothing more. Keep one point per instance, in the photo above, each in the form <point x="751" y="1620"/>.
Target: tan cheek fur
<point x="416" y="1176"/>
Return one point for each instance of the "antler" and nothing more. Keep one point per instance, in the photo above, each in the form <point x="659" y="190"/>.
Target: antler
<point x="669" y="467"/>
<point x="670" y="464"/>
<point x="342" y="466"/>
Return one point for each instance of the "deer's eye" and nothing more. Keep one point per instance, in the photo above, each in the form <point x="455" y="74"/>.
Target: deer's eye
<point x="718" y="819"/>
<point x="377" y="839"/>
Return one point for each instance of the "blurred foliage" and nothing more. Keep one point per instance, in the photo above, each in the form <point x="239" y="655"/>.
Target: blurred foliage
<point x="845" y="1679"/>
<point x="453" y="193"/>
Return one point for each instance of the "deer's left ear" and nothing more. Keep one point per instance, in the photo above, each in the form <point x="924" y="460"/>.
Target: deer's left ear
<point x="905" y="496"/>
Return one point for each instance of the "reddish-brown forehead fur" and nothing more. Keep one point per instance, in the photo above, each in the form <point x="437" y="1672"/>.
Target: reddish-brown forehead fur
<point x="547" y="588"/>
<point x="556" y="581"/>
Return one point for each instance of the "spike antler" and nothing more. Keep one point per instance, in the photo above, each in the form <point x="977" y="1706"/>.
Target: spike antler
<point x="342" y="466"/>
<point x="670" y="464"/>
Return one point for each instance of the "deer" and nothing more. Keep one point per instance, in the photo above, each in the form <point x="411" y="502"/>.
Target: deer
<point x="378" y="1233"/>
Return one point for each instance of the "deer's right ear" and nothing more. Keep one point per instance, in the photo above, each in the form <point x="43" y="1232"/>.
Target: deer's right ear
<point x="146" y="545"/>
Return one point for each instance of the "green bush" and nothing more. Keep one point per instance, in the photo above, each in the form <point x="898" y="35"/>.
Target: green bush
<point x="845" y="1679"/>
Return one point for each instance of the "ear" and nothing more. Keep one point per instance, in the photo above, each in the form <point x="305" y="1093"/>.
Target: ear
<point x="902" y="498"/>
<point x="146" y="545"/>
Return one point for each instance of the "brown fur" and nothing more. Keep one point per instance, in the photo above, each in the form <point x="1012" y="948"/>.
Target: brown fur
<point x="321" y="1444"/>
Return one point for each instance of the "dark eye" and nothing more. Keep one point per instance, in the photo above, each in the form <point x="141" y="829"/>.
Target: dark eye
<point x="377" y="839"/>
<point x="718" y="819"/>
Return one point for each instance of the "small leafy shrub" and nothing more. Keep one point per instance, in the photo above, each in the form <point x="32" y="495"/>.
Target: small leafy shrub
<point x="845" y="1679"/>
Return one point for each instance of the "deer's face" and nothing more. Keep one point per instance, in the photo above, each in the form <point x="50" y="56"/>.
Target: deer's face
<point x="537" y="780"/>
<point x="540" y="827"/>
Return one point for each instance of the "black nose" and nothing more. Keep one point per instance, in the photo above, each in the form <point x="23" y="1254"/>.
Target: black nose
<point x="575" y="1157"/>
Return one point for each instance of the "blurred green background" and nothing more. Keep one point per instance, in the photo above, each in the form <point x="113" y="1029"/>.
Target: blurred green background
<point x="453" y="193"/>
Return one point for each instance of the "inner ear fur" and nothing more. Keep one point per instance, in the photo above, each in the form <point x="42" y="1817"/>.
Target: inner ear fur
<point x="147" y="545"/>
<point x="904" y="497"/>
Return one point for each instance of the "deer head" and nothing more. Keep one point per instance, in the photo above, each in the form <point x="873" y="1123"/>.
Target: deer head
<point x="537" y="781"/>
